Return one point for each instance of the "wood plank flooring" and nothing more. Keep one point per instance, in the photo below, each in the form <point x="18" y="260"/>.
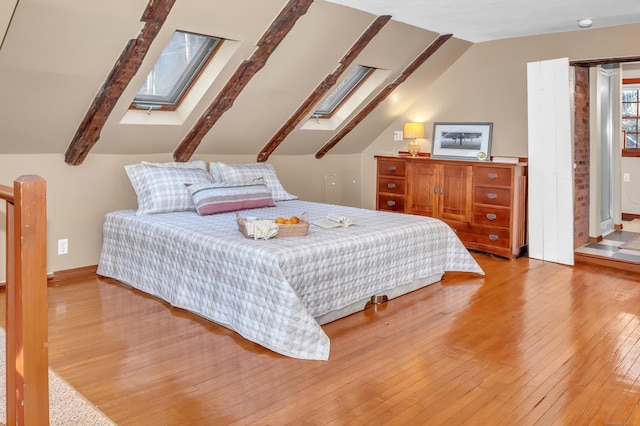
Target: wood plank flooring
<point x="531" y="343"/>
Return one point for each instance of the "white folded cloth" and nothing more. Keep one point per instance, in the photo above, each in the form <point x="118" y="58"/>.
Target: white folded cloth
<point x="261" y="228"/>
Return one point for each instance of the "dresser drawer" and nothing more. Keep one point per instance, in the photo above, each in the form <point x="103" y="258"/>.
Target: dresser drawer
<point x="486" y="175"/>
<point x="489" y="236"/>
<point x="492" y="196"/>
<point x="391" y="185"/>
<point x="394" y="168"/>
<point x="391" y="203"/>
<point x="494" y="216"/>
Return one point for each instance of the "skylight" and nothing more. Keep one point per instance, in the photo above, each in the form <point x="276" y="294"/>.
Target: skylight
<point x="342" y="92"/>
<point x="175" y="70"/>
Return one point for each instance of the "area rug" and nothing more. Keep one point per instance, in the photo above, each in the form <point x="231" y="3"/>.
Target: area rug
<point x="66" y="406"/>
<point x="632" y="244"/>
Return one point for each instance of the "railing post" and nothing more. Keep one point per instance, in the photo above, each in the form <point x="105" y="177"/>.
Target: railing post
<point x="27" y="313"/>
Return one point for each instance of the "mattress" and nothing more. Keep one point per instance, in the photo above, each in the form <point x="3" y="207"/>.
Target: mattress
<point x="273" y="291"/>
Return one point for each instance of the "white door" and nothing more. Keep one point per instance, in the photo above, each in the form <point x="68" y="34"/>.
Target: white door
<point x="550" y="161"/>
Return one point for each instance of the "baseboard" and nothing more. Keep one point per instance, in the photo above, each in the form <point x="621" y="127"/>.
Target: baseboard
<point x="69" y="274"/>
<point x="595" y="240"/>
<point x="630" y="216"/>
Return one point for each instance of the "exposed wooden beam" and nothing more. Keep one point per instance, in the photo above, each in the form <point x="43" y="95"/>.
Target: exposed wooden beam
<point x="330" y="80"/>
<point x="603" y="61"/>
<point x="426" y="54"/>
<point x="245" y="72"/>
<point x="123" y="71"/>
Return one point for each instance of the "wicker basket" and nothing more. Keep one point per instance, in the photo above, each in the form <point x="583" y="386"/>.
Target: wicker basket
<point x="294" y="230"/>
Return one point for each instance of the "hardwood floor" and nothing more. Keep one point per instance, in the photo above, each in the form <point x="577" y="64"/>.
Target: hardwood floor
<point x="532" y="343"/>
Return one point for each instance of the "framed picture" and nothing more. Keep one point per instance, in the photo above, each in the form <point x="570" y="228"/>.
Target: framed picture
<point x="462" y="141"/>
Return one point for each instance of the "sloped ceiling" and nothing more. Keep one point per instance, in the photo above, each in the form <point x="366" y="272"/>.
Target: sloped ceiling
<point x="57" y="55"/>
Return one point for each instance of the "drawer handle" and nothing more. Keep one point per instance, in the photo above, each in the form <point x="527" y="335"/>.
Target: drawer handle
<point x="391" y="203"/>
<point x="493" y="237"/>
<point x="492" y="196"/>
<point x="392" y="168"/>
<point x="491" y="216"/>
<point x="492" y="176"/>
<point x="391" y="185"/>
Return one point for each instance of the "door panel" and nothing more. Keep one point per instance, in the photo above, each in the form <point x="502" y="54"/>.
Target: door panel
<point x="423" y="190"/>
<point x="551" y="179"/>
<point x="456" y="198"/>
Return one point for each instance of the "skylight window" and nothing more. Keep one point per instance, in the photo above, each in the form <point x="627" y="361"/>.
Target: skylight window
<point x="175" y="70"/>
<point x="342" y="92"/>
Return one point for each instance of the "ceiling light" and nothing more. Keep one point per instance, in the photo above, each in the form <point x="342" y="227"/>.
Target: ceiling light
<point x="585" y="23"/>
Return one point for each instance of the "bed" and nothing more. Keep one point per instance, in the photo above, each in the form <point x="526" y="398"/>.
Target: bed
<point x="278" y="292"/>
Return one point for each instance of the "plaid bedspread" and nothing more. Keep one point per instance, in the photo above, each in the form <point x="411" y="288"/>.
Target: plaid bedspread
<point x="270" y="291"/>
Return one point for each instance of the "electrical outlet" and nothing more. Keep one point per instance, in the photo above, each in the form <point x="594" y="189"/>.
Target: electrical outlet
<point x="397" y="135"/>
<point x="626" y="177"/>
<point x="63" y="246"/>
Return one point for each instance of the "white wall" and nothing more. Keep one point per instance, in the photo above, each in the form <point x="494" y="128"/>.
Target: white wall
<point x="630" y="193"/>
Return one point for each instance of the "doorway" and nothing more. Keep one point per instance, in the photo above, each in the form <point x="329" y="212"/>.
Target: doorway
<point x="613" y="247"/>
<point x="606" y="149"/>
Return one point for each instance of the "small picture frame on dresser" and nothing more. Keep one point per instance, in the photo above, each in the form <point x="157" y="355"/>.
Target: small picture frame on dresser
<point x="462" y="141"/>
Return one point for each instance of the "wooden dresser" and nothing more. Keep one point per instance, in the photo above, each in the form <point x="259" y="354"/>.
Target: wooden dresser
<point x="483" y="201"/>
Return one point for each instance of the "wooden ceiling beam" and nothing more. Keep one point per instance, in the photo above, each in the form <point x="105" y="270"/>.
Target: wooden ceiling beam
<point x="426" y="54"/>
<point x="603" y="61"/>
<point x="245" y="72"/>
<point x="330" y="80"/>
<point x="121" y="74"/>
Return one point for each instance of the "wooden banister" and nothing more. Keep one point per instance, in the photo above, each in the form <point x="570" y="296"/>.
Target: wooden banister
<point x="27" y="323"/>
<point x="6" y="193"/>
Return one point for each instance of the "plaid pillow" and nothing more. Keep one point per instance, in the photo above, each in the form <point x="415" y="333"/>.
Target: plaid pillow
<point x="214" y="169"/>
<point x="161" y="188"/>
<point x="234" y="173"/>
<point x="214" y="198"/>
<point x="196" y="164"/>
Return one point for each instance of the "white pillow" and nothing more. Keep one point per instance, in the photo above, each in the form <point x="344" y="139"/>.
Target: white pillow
<point x="234" y="173"/>
<point x="161" y="188"/>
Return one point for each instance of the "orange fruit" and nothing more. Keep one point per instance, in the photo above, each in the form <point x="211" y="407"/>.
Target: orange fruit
<point x="295" y="219"/>
<point x="280" y="220"/>
<point x="288" y="222"/>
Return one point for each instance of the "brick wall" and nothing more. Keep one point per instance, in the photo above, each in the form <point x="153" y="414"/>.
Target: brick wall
<point x="581" y="157"/>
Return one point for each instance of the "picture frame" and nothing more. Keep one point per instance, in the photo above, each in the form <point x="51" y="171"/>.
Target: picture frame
<point x="462" y="141"/>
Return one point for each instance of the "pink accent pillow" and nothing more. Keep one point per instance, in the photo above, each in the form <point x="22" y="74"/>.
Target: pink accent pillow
<point x="210" y="198"/>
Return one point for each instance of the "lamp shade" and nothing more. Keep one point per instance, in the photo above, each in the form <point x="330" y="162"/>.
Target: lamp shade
<point x="413" y="130"/>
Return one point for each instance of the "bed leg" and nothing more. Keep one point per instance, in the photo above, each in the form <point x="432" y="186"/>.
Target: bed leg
<point x="376" y="300"/>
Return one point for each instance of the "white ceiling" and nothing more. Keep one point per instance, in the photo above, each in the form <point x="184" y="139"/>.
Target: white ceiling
<point x="484" y="20"/>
